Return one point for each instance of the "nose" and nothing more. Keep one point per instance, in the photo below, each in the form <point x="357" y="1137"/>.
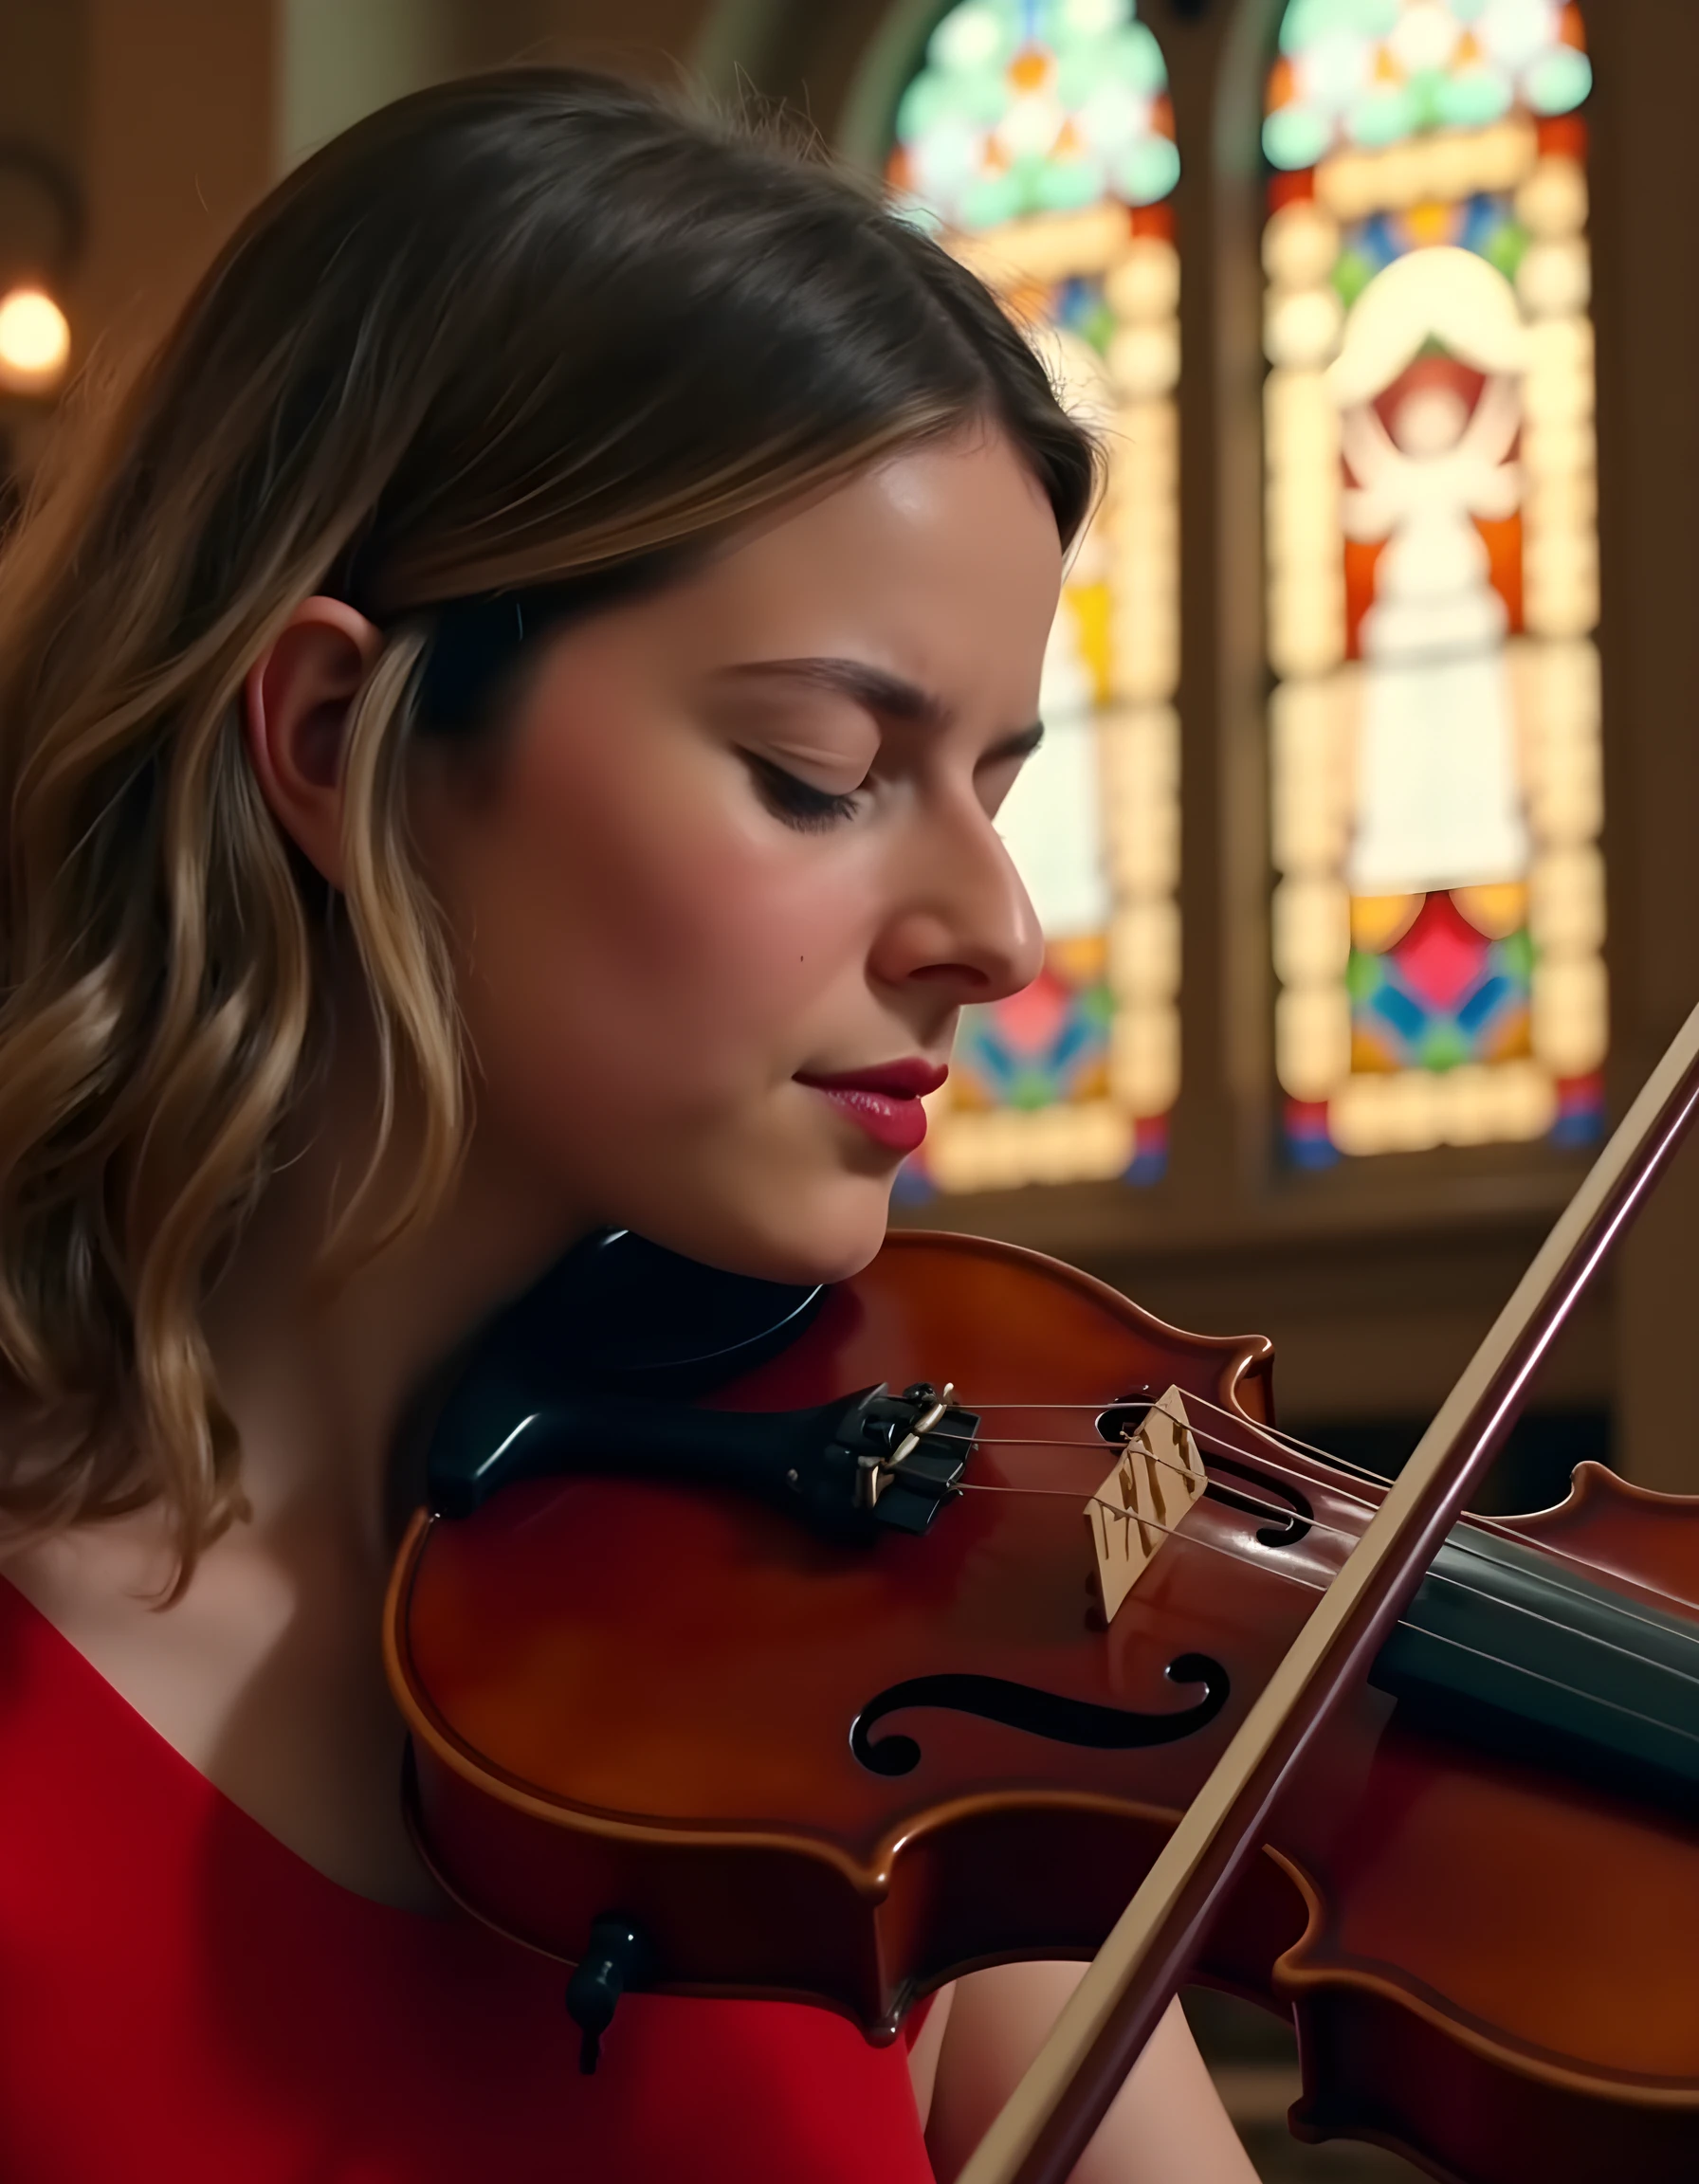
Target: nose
<point x="961" y="924"/>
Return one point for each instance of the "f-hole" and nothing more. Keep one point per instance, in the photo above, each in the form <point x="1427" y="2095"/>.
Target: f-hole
<point x="1038" y="1713"/>
<point x="1128" y="1416"/>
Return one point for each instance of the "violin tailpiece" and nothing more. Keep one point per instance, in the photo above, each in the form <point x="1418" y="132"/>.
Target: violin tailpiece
<point x="1156" y="1478"/>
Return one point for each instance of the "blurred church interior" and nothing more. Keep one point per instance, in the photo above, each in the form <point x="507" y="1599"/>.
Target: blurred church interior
<point x="1363" y="834"/>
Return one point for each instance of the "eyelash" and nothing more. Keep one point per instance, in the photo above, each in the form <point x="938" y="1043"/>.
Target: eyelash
<point x="796" y="802"/>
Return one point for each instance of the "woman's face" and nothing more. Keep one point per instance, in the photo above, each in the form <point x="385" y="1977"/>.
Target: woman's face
<point x="738" y="840"/>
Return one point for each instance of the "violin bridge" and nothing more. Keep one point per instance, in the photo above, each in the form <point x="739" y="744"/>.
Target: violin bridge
<point x="1156" y="1479"/>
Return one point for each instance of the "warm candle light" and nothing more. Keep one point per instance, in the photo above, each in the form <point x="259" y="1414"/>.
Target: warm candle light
<point x="35" y="341"/>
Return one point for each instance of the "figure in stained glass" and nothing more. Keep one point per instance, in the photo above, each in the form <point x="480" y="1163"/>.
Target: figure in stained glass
<point x="1432" y="579"/>
<point x="1425" y="444"/>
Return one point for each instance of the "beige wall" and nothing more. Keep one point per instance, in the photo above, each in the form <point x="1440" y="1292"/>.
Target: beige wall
<point x="180" y="140"/>
<point x="337" y="59"/>
<point x="42" y="63"/>
<point x="43" y="107"/>
<point x="178" y="114"/>
<point x="1647" y="186"/>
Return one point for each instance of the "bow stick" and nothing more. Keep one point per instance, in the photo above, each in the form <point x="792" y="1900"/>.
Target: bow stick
<point x="1048" y="2121"/>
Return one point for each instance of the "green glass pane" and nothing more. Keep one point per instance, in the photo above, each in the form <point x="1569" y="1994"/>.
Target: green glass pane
<point x="978" y="34"/>
<point x="1131" y="58"/>
<point x="928" y="100"/>
<point x="1381" y="117"/>
<point x="1296" y="136"/>
<point x="1504" y="246"/>
<point x="1067" y="185"/>
<point x="1365" y="976"/>
<point x="981" y="96"/>
<point x="1146" y="174"/>
<point x="1352" y="273"/>
<point x="1475" y="98"/>
<point x="1069" y="22"/>
<point x="1301" y="23"/>
<point x="1514" y="957"/>
<point x="1306" y="21"/>
<point x="1099" y="328"/>
<point x="1079" y="73"/>
<point x="1424" y="91"/>
<point x="1443" y="1046"/>
<point x="1029" y="168"/>
<point x="991" y="200"/>
<point x="1136" y="59"/>
<point x="1558" y="82"/>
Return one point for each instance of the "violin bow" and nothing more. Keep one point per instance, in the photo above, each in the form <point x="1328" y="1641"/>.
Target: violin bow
<point x="1048" y="2119"/>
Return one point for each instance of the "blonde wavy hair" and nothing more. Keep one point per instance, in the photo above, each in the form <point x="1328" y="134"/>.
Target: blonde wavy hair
<point x="515" y="330"/>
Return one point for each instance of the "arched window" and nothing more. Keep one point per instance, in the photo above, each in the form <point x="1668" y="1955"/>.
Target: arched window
<point x="1432" y="577"/>
<point x="1037" y="137"/>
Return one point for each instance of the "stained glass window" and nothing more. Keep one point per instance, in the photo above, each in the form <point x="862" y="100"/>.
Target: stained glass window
<point x="1432" y="577"/>
<point x="1037" y="138"/>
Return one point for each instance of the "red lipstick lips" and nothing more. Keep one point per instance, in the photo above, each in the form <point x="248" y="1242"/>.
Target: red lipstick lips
<point x="884" y="1100"/>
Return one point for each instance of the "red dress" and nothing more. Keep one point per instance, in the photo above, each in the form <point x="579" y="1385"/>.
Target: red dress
<point x="183" y="1999"/>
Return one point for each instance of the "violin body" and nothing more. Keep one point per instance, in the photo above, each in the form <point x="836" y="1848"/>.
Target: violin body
<point x="847" y="1773"/>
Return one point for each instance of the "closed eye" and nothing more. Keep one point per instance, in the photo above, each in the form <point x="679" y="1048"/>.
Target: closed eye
<point x="798" y="803"/>
<point x="999" y="770"/>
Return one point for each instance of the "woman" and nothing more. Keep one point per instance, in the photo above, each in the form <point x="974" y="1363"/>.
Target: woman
<point x="499" y="737"/>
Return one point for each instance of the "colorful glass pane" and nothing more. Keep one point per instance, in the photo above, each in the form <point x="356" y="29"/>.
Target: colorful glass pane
<point x="1029" y="106"/>
<point x="1376" y="73"/>
<point x="1432" y="580"/>
<point x="1038" y="141"/>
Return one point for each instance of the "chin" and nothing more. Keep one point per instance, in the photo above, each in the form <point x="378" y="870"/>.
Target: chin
<point x="824" y="1233"/>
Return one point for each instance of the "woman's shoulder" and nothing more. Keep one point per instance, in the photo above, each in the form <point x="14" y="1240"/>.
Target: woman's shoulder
<point x="90" y="1784"/>
<point x="65" y="1730"/>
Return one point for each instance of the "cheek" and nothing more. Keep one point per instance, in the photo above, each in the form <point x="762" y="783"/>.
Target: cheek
<point x="641" y="940"/>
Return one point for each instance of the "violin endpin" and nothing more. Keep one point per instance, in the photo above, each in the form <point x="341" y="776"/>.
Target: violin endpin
<point x="1156" y="1478"/>
<point x="618" y="1957"/>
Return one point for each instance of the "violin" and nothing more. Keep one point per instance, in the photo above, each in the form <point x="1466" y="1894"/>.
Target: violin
<point x="826" y="1644"/>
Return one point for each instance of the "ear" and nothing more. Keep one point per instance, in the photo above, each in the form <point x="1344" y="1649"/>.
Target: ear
<point x="296" y="702"/>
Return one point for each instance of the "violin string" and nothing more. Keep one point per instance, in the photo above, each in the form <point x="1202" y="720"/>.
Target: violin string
<point x="1338" y="1532"/>
<point x="1275" y="1433"/>
<point x="1461" y="1545"/>
<point x="1313" y="1585"/>
<point x="1273" y="1510"/>
<point x="1569" y="1690"/>
<point x="1289" y="1441"/>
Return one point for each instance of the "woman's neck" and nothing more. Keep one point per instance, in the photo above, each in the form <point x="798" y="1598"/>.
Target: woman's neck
<point x="318" y="1376"/>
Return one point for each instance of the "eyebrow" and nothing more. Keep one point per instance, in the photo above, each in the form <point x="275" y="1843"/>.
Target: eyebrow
<point x="893" y="697"/>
